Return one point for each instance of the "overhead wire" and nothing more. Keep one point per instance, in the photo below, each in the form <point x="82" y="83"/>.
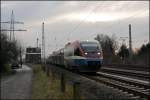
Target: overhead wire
<point x="119" y="21"/>
<point x="91" y="11"/>
<point x="80" y="23"/>
<point x="77" y="26"/>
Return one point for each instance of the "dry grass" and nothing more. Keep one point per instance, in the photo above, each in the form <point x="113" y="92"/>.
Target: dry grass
<point x="44" y="87"/>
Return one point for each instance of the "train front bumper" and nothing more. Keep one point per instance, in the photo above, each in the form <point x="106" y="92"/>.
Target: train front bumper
<point x="88" y="65"/>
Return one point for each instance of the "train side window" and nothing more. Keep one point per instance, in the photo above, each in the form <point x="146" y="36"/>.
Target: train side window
<point x="77" y="52"/>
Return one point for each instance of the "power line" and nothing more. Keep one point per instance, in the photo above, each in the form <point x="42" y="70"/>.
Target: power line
<point x="82" y="21"/>
<point x="76" y="27"/>
<point x="119" y="22"/>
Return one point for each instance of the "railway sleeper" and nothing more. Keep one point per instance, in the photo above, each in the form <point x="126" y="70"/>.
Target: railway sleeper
<point x="130" y="82"/>
<point x="128" y="89"/>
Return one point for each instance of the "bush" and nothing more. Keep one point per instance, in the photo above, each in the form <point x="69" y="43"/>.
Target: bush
<point x="9" y="51"/>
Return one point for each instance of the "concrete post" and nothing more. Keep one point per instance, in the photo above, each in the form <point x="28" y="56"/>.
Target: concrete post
<point x="52" y="74"/>
<point x="76" y="90"/>
<point x="47" y="70"/>
<point x="63" y="87"/>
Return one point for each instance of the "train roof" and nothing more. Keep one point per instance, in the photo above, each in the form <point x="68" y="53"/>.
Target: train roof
<point x="75" y="43"/>
<point x="60" y="51"/>
<point x="81" y="41"/>
<point x="88" y="41"/>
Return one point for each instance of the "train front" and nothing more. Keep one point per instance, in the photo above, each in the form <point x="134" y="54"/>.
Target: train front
<point x="91" y="52"/>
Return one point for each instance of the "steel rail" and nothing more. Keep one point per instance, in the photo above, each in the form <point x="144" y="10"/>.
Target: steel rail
<point x="140" y="84"/>
<point x="129" y="67"/>
<point x="128" y="89"/>
<point x="129" y="73"/>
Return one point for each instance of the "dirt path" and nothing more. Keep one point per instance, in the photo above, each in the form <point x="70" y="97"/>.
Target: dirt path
<point x="17" y="86"/>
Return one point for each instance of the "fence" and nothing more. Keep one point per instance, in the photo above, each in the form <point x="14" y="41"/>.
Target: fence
<point x="63" y="82"/>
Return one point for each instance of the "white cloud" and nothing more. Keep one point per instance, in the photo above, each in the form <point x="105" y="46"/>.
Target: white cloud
<point x="62" y="17"/>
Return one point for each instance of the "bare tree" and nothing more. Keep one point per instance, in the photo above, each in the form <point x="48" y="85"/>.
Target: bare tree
<point x="124" y="53"/>
<point x="9" y="51"/>
<point x="109" y="46"/>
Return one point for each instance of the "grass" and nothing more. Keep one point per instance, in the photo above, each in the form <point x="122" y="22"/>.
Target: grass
<point x="44" y="87"/>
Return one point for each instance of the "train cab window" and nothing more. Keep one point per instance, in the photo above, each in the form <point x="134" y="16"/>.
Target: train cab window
<point x="77" y="52"/>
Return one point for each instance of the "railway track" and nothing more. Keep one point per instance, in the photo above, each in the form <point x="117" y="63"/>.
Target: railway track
<point x="143" y="75"/>
<point x="136" y="89"/>
<point x="129" y="67"/>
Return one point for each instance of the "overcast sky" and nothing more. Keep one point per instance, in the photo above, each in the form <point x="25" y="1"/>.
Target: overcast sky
<point x="77" y="20"/>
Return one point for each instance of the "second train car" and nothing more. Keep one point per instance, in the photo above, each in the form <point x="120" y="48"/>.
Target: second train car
<point x="83" y="56"/>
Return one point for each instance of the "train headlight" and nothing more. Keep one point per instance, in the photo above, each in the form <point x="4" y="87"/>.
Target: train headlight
<point x="98" y="53"/>
<point x="85" y="53"/>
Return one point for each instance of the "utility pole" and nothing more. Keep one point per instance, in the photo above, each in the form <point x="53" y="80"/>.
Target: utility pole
<point x="37" y="41"/>
<point x="20" y="56"/>
<point x="130" y="43"/>
<point x="12" y="29"/>
<point x="43" y="43"/>
<point x="56" y="43"/>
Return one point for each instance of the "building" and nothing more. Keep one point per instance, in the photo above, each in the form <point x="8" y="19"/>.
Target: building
<point x="33" y="55"/>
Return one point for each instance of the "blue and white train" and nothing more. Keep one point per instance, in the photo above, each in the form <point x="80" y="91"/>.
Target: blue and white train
<point x="83" y="56"/>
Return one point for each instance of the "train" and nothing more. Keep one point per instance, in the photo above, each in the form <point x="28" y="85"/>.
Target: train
<point x="81" y="56"/>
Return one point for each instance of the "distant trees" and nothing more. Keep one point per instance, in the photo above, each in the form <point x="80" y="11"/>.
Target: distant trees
<point x="109" y="46"/>
<point x="140" y="56"/>
<point x="9" y="50"/>
<point x="143" y="54"/>
<point x="123" y="53"/>
<point x="144" y="50"/>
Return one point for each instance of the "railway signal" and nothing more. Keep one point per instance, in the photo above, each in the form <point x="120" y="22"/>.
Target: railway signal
<point x="123" y="40"/>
